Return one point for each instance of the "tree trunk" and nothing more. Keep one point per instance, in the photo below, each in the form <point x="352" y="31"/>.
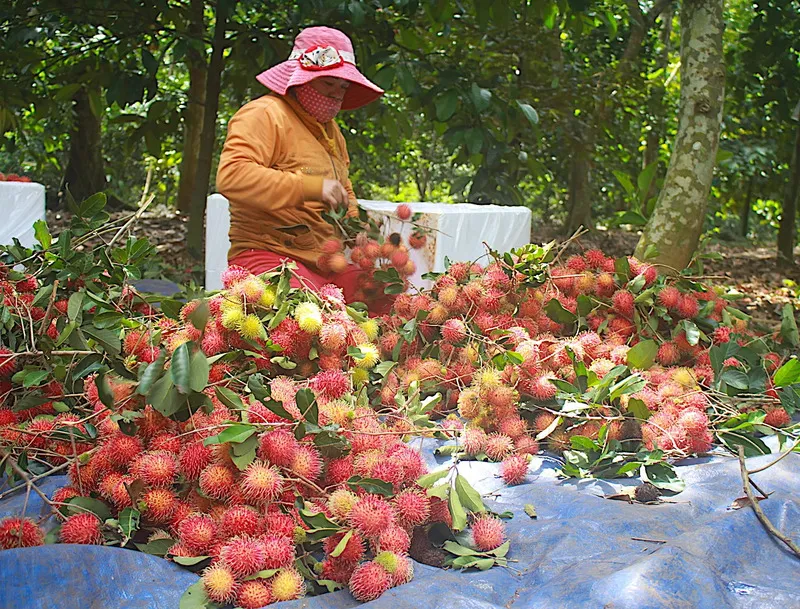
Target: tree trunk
<point x="787" y="232"/>
<point x="195" y="228"/>
<point x="580" y="195"/>
<point x="673" y="231"/>
<point x="193" y="117"/>
<point x="85" y="174"/>
<point x="747" y="204"/>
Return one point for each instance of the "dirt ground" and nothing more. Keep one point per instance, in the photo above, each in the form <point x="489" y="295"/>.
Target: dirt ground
<point x="750" y="269"/>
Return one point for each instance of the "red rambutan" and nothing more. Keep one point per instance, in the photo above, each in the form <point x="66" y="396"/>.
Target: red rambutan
<point x="19" y="533"/>
<point x="369" y="581"/>
<point x="220" y="583"/>
<point x="371" y="515"/>
<point x="488" y="533"/>
<point x="82" y="529"/>
<point x="261" y="482"/>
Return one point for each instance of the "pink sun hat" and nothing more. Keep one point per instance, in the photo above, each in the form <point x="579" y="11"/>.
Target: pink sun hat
<point x="322" y="51"/>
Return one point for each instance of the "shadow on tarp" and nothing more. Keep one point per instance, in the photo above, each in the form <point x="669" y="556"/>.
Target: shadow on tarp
<point x="578" y="554"/>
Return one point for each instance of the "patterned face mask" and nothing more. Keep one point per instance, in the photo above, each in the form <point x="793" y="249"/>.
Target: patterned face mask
<point x="319" y="106"/>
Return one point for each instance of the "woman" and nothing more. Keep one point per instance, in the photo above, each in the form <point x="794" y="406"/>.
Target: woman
<point x="285" y="161"/>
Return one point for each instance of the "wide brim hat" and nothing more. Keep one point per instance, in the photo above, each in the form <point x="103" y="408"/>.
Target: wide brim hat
<point x="322" y="51"/>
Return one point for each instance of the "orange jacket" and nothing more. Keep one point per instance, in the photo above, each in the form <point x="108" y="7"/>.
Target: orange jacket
<point x="271" y="170"/>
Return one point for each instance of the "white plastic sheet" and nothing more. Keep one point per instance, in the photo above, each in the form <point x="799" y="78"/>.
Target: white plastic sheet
<point x="22" y="204"/>
<point x="458" y="232"/>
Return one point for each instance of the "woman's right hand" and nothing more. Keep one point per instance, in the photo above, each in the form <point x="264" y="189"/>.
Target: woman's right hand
<point x="333" y="193"/>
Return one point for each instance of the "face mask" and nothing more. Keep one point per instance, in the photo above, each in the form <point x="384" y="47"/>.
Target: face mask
<point x="316" y="104"/>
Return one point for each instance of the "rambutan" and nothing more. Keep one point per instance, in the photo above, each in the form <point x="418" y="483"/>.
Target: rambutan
<point x="278" y="447"/>
<point x="403" y="211"/>
<point x="512" y="426"/>
<point x="353" y="550"/>
<point x="688" y="307"/>
<point x="498" y="446"/>
<point x="261" y="482"/>
<point x="198" y="532"/>
<point x="777" y="417"/>
<point x="514" y="469"/>
<point x="333" y="336"/>
<point x="288" y="585"/>
<point x="240" y="520"/>
<point x="122" y="449"/>
<point x="393" y="539"/>
<point x="309" y="317"/>
<point x="341" y="501"/>
<point x="307" y="462"/>
<point x="220" y="583"/>
<point x="330" y="384"/>
<point x="165" y="441"/>
<point x="369" y="581"/>
<point x="155" y="468"/>
<point x="541" y="389"/>
<point x="82" y="529"/>
<point x="454" y="331"/>
<point x="244" y="555"/>
<point x="160" y="504"/>
<point x="369" y="356"/>
<point x="371" y="515"/>
<point x="412" y="508"/>
<point x="668" y="354"/>
<point x="488" y="533"/>
<point x="253" y="593"/>
<point x="622" y="301"/>
<point x="234" y="274"/>
<point x="670" y="297"/>
<point x="19" y="533"/>
<point x="194" y="458"/>
<point x="217" y="481"/>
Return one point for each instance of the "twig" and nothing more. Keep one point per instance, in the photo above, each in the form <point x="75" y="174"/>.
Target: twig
<point x="46" y="317"/>
<point x="14" y="489"/>
<point x="757" y="508"/>
<point x="132" y="219"/>
<point x="761" y="469"/>
<point x="22" y="474"/>
<point x="649" y="540"/>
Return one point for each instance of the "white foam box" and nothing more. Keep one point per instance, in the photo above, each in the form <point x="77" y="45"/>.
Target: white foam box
<point x="457" y="232"/>
<point x="22" y="204"/>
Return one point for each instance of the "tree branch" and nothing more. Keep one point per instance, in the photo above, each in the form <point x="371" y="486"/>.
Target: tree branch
<point x="757" y="507"/>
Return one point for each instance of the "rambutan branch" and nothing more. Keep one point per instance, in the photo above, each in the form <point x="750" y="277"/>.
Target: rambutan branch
<point x="754" y="503"/>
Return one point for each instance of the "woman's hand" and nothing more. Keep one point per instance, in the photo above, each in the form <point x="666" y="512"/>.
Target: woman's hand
<point x="333" y="193"/>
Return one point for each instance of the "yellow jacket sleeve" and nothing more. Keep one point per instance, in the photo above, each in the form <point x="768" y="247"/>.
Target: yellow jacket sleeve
<point x="246" y="172"/>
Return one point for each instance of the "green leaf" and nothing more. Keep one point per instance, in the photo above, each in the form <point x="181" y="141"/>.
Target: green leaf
<point x="104" y="391"/>
<point x="265" y="574"/>
<point x="331" y="444"/>
<point x="470" y="498"/>
<point x="530" y="510"/>
<point x="42" y="234"/>
<point x="151" y="373"/>
<point x="428" y="480"/>
<point x="549" y="429"/>
<point x="789" y="331"/>
<point x="32" y="378"/>
<point x="161" y="396"/>
<point x="752" y="445"/>
<point x="42" y="297"/>
<point x="108" y="339"/>
<point x="642" y="355"/>
<point x="457" y="512"/>
<point x="307" y="404"/>
<point x="529" y="112"/>
<point x="480" y="97"/>
<point x="736" y="379"/>
<point x="233" y="434"/>
<point x="639" y="409"/>
<point x="81" y="505"/>
<point x="199" y="317"/>
<point x="384" y="368"/>
<point x="171" y="308"/>
<point x="484" y="564"/>
<point x="129" y="521"/>
<point x="278" y="409"/>
<point x="189" y="561"/>
<point x="788" y="374"/>
<point x="198" y="371"/>
<point x="74" y="307"/>
<point x="159" y="547"/>
<point x="279" y="316"/>
<point x="371" y="485"/>
<point x="229" y="398"/>
<point x="195" y="597"/>
<point x="180" y="368"/>
<point x="458" y="549"/>
<point x="625" y="180"/>
<point x="446" y="105"/>
<point x="558" y="313"/>
<point x="337" y="551"/>
<point x="663" y="476"/>
<point x="244" y="453"/>
<point x="502" y="550"/>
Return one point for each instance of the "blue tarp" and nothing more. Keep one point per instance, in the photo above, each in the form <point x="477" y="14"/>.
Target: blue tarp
<point x="578" y="554"/>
